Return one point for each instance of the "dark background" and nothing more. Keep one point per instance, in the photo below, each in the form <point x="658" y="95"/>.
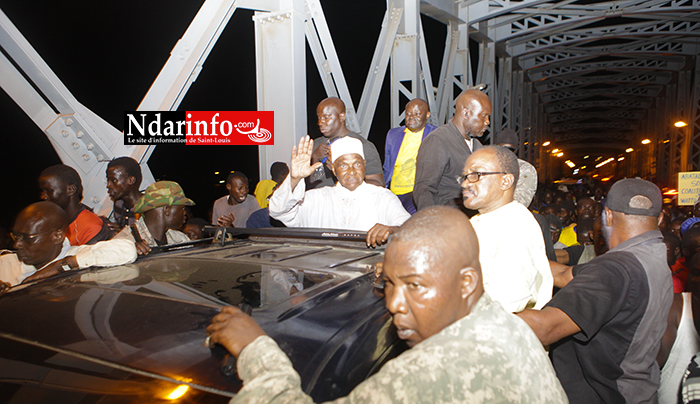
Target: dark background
<point x="108" y="54"/>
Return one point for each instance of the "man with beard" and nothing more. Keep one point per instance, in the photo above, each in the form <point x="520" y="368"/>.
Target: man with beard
<point x="442" y="155"/>
<point x="162" y="210"/>
<point x="585" y="209"/>
<point x="401" y="149"/>
<point x="39" y="235"/>
<point x="464" y="347"/>
<point x="605" y="325"/>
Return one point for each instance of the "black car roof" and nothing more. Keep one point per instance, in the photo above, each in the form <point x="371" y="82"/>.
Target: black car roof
<point x="151" y="315"/>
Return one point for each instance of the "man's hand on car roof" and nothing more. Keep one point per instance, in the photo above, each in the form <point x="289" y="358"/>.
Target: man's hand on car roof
<point x="379" y="234"/>
<point x="233" y="329"/>
<point x="53" y="268"/>
<point x="142" y="248"/>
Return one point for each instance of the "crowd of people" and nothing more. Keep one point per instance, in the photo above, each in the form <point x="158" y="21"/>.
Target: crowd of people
<point x="506" y="289"/>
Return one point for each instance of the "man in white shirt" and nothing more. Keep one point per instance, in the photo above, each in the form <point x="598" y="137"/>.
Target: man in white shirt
<point x="512" y="252"/>
<point x="351" y="204"/>
<point x="43" y="249"/>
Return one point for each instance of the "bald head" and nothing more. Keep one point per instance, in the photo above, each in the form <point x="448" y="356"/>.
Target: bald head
<point x="417" y="102"/>
<point x="472" y="113"/>
<point x="431" y="273"/>
<point x="39" y="232"/>
<point x="335" y="102"/>
<point x="330" y="114"/>
<point x="47" y="215"/>
<point x="469" y="96"/>
<point x="440" y="235"/>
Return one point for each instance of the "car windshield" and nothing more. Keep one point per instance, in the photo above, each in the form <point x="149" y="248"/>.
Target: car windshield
<point x="210" y="281"/>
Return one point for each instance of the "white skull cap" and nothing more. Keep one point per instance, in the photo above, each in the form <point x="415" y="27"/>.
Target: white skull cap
<point x="346" y="145"/>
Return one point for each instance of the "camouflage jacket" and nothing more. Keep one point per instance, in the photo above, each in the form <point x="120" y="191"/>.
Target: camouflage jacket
<point x="487" y="356"/>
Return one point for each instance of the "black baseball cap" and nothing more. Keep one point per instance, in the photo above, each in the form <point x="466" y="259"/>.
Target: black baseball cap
<point x="621" y="193"/>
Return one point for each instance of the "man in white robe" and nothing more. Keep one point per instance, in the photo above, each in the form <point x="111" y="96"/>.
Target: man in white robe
<point x="351" y="204"/>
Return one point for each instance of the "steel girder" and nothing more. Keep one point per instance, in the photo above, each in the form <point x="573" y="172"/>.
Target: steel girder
<point x="80" y="137"/>
<point x="561" y="71"/>
<point x="694" y="124"/>
<point x="599" y="66"/>
<point x="281" y="78"/>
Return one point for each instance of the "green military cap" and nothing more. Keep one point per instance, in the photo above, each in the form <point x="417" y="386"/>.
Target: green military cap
<point x="162" y="193"/>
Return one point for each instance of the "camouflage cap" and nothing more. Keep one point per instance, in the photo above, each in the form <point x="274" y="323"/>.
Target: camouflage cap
<point x="162" y="193"/>
<point x="527" y="183"/>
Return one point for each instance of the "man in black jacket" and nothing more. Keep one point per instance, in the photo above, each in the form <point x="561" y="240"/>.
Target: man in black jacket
<point x="442" y="154"/>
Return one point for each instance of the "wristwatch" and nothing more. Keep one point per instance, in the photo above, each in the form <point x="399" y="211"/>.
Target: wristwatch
<point x="65" y="266"/>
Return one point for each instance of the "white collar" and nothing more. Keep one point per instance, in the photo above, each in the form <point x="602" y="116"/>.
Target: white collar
<point x="348" y="193"/>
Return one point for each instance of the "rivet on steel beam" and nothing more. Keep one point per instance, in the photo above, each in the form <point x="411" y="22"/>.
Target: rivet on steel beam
<point x="79" y="134"/>
<point x="69" y="122"/>
<point x="95" y="199"/>
<point x="64" y="133"/>
<point x="76" y="145"/>
<point x="90" y="146"/>
<point x="86" y="157"/>
<point x="101" y="157"/>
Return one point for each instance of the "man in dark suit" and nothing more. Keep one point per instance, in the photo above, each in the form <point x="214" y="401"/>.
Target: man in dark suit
<point x="442" y="155"/>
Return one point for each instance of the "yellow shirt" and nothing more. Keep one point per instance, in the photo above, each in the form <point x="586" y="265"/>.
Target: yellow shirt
<point x="568" y="235"/>
<point x="405" y="167"/>
<point x="263" y="191"/>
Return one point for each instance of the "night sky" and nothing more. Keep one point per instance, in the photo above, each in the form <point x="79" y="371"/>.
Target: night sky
<point x="108" y="54"/>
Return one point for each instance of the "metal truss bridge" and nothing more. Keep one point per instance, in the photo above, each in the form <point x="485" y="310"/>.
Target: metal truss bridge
<point x="593" y="77"/>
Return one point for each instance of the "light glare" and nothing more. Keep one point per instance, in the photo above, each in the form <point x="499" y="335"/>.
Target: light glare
<point x="178" y="392"/>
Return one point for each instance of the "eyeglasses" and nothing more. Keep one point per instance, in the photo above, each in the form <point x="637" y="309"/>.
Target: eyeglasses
<point x="28" y="238"/>
<point x="475" y="176"/>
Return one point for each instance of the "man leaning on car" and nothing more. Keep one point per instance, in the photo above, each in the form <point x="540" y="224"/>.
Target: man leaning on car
<point x="465" y="347"/>
<point x="39" y="235"/>
<point x="162" y="209"/>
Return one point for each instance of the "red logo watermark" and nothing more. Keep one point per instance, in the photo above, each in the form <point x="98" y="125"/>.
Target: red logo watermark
<point x="231" y="127"/>
<point x="200" y="127"/>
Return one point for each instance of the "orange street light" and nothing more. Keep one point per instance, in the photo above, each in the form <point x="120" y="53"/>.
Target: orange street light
<point x="629" y="150"/>
<point x="680" y="124"/>
<point x="545" y="144"/>
<point x="646" y="141"/>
